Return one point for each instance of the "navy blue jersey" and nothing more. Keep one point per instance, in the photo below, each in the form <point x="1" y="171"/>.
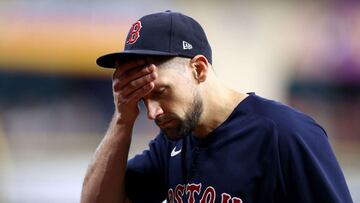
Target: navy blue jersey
<point x="264" y="152"/>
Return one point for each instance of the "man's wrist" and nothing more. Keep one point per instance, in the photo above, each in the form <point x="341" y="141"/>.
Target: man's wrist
<point x="120" y="119"/>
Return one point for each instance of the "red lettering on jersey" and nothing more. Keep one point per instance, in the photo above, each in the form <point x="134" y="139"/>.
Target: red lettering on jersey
<point x="134" y="33"/>
<point x="179" y="192"/>
<point x="208" y="196"/>
<point x="236" y="200"/>
<point x="171" y="196"/>
<point x="226" y="197"/>
<point x="192" y="188"/>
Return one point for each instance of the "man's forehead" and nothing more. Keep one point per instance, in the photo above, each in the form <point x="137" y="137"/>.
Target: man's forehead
<point x="168" y="76"/>
<point x="164" y="76"/>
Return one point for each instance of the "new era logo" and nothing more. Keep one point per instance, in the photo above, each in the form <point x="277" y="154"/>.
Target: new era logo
<point x="187" y="45"/>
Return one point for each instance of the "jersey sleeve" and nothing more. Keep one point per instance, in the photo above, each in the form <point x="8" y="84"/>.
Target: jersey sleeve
<point x="144" y="179"/>
<point x="309" y="171"/>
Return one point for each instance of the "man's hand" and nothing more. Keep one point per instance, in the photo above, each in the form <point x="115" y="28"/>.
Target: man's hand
<point x="131" y="82"/>
<point x="104" y="180"/>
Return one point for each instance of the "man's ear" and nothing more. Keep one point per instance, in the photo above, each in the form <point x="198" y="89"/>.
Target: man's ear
<point x="200" y="67"/>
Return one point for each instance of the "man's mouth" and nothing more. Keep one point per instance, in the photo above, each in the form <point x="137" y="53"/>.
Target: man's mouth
<point x="165" y="124"/>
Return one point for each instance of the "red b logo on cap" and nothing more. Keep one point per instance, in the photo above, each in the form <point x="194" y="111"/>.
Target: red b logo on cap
<point x="134" y="33"/>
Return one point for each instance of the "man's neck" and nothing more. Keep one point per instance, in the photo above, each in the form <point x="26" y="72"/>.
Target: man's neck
<point x="218" y="104"/>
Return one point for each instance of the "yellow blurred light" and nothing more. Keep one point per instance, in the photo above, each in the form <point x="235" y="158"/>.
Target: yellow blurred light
<point x="59" y="47"/>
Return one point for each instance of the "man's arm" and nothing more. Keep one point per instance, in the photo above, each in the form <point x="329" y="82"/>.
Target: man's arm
<point x="104" y="180"/>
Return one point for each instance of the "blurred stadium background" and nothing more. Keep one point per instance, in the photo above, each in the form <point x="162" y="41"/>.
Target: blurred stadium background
<point x="55" y="103"/>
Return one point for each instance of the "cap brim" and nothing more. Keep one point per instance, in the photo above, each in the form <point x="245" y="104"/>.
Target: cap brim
<point x="108" y="60"/>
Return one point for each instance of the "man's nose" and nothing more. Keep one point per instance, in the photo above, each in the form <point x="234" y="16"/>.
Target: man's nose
<point x="154" y="110"/>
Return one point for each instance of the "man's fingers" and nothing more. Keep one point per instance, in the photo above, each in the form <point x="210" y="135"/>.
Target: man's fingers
<point x="141" y="92"/>
<point x="136" y="84"/>
<point x="124" y="93"/>
<point x="132" y="81"/>
<point x="135" y="74"/>
<point x="123" y="67"/>
<point x="136" y="95"/>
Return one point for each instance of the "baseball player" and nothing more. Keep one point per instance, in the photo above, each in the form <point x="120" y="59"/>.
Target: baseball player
<point x="215" y="144"/>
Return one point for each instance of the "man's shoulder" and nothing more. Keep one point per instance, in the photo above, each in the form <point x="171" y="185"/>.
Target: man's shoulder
<point x="283" y="116"/>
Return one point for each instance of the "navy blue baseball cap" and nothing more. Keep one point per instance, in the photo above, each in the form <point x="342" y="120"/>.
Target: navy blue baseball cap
<point x="161" y="34"/>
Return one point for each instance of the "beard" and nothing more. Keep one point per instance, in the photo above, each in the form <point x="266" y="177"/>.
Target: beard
<point x="184" y="125"/>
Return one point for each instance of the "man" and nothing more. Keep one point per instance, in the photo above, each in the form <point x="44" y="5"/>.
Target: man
<point x="215" y="144"/>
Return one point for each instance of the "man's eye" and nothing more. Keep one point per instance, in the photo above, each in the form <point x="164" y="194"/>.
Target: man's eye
<point x="160" y="91"/>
